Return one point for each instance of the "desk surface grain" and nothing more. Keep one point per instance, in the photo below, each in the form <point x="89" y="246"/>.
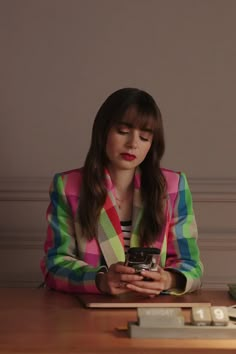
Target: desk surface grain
<point x="49" y="322"/>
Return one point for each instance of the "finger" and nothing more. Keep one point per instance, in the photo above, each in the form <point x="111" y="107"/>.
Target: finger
<point x="115" y="279"/>
<point x="141" y="290"/>
<point x="128" y="278"/>
<point x="154" y="275"/>
<point x="149" y="285"/>
<point x="121" y="268"/>
<point x="161" y="271"/>
<point x="119" y="289"/>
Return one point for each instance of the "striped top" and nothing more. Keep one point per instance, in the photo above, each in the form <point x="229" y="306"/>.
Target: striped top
<point x="126" y="230"/>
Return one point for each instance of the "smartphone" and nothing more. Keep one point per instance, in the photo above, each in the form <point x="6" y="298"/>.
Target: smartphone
<point x="141" y="258"/>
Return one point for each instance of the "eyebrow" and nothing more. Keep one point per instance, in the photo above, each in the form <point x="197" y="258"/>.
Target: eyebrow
<point x="130" y="125"/>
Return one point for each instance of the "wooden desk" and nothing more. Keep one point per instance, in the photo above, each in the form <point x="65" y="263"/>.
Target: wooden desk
<point x="48" y="322"/>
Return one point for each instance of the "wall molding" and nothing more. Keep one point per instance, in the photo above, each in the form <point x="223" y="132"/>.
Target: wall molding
<point x="213" y="190"/>
<point x="6" y="283"/>
<point x="204" y="190"/>
<point x="22" y="240"/>
<point x="216" y="283"/>
<point x="13" y="283"/>
<point x="24" y="189"/>
<point x="217" y="240"/>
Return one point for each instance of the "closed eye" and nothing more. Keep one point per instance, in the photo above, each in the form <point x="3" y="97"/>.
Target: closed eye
<point x="144" y="134"/>
<point x="123" y="131"/>
<point x="144" y="138"/>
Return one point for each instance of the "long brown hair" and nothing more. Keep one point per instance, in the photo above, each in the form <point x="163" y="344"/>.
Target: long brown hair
<point x="153" y="184"/>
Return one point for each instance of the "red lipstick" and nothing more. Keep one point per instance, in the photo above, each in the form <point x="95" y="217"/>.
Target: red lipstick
<point x="128" y="157"/>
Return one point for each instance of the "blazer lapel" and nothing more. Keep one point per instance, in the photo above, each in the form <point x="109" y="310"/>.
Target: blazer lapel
<point x="136" y="217"/>
<point x="137" y="210"/>
<point x="110" y="236"/>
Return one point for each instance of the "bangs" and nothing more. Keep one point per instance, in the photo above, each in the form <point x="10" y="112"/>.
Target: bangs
<point x="139" y="119"/>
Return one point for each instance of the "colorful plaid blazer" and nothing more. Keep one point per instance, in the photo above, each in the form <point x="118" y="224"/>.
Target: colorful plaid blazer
<point x="70" y="263"/>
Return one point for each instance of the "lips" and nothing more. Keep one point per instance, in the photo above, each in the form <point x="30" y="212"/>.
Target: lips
<point x="128" y="157"/>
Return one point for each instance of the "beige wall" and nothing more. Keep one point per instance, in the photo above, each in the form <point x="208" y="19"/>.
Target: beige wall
<point x="61" y="58"/>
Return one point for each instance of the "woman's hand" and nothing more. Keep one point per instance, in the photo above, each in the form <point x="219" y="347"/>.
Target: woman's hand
<point x="115" y="281"/>
<point x="158" y="281"/>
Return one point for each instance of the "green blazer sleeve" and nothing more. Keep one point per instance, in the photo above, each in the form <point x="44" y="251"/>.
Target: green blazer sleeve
<point x="182" y="250"/>
<point x="62" y="267"/>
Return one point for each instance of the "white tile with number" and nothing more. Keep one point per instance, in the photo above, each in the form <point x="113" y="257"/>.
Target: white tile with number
<point x="201" y="316"/>
<point x="219" y="315"/>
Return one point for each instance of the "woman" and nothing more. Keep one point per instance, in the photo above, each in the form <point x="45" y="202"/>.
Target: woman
<point x="122" y="198"/>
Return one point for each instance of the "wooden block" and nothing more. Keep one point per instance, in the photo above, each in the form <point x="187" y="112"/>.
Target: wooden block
<point x="160" y="312"/>
<point x="201" y="316"/>
<point x="160" y="322"/>
<point x="219" y="315"/>
<point x="160" y="317"/>
<point x="187" y="331"/>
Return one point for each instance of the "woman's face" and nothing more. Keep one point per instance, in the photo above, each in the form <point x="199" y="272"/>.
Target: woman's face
<point x="127" y="146"/>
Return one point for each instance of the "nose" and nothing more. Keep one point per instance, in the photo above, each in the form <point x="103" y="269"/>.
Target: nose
<point x="133" y="140"/>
